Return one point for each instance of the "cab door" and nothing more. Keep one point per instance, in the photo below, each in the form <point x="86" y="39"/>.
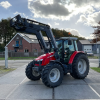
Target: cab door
<point x="68" y="50"/>
<point x="60" y="49"/>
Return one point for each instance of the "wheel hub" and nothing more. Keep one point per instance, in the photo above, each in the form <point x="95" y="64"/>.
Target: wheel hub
<point x="35" y="73"/>
<point x="54" y="75"/>
<point x="79" y="66"/>
<point x="82" y="66"/>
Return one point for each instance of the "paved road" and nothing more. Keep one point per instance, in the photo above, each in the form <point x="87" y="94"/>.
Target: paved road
<point x="15" y="86"/>
<point x="94" y="62"/>
<point x="15" y="63"/>
<point x="18" y="63"/>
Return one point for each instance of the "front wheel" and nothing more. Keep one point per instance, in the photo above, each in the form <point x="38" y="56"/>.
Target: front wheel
<point x="52" y="75"/>
<point x="80" y="66"/>
<point x="31" y="74"/>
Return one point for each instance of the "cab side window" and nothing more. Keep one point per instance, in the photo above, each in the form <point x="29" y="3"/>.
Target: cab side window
<point x="70" y="47"/>
<point x="59" y="44"/>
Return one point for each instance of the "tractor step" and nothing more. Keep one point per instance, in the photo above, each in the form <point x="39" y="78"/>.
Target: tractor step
<point x="67" y="68"/>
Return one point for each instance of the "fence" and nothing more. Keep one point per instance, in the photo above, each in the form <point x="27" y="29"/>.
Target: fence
<point x="21" y="54"/>
<point x="2" y="54"/>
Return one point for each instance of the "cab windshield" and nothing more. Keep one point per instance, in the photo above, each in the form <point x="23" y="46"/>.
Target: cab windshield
<point x="60" y="44"/>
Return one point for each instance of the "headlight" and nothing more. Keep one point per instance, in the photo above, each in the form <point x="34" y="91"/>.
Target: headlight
<point x="40" y="60"/>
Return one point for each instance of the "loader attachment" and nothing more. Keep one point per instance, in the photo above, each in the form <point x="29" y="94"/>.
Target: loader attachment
<point x="33" y="27"/>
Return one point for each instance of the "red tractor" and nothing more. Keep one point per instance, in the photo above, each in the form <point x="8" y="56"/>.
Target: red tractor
<point x="61" y="55"/>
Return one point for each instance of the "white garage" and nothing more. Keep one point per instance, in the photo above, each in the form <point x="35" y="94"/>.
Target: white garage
<point x="85" y="45"/>
<point x="87" y="48"/>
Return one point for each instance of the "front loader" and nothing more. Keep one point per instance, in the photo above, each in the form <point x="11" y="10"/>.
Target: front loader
<point x="61" y="56"/>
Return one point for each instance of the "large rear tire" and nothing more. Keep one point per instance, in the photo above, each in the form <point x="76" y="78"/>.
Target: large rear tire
<point x="52" y="75"/>
<point x="80" y="66"/>
<point x="31" y="74"/>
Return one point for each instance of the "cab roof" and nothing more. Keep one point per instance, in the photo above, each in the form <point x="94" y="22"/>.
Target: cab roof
<point x="67" y="38"/>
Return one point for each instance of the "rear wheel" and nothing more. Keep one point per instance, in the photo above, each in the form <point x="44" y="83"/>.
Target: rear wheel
<point x="80" y="66"/>
<point x="30" y="73"/>
<point x="52" y="75"/>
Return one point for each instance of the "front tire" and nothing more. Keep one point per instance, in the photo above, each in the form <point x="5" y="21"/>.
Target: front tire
<point x="80" y="66"/>
<point x="52" y="75"/>
<point x="31" y="74"/>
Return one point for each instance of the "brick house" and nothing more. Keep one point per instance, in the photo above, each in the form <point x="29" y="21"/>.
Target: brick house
<point x="24" y="43"/>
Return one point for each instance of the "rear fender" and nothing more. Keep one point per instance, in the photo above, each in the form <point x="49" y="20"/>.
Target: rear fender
<point x="73" y="56"/>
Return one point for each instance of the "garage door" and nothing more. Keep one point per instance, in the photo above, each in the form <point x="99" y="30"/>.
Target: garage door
<point x="87" y="48"/>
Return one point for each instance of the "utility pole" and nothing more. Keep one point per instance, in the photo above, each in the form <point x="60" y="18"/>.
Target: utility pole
<point x="99" y="55"/>
<point x="96" y="39"/>
<point x="6" y="57"/>
<point x="96" y="43"/>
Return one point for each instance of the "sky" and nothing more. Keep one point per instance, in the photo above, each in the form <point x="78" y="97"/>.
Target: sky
<point x="75" y="16"/>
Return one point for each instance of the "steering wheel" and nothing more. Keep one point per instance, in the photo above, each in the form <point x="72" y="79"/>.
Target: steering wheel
<point x="67" y="50"/>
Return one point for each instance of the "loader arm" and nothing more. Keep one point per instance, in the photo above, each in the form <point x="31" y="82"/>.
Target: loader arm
<point x="33" y="27"/>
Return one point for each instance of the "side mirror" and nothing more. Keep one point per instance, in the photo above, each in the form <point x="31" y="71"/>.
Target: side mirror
<point x="69" y="42"/>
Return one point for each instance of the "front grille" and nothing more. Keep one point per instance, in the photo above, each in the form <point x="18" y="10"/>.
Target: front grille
<point x="37" y="62"/>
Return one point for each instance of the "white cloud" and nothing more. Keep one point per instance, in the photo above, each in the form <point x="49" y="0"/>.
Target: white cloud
<point x="91" y="20"/>
<point x="50" y="25"/>
<point x="74" y="32"/>
<point x="48" y="9"/>
<point x="16" y="13"/>
<point x="22" y="14"/>
<point x="56" y="23"/>
<point x="61" y="9"/>
<point x="91" y="36"/>
<point x="5" y="4"/>
<point x="82" y="19"/>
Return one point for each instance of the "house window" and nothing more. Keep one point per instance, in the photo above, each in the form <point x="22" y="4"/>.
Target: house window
<point x="17" y="37"/>
<point x="26" y="50"/>
<point x="34" y="50"/>
<point x="20" y="42"/>
<point x="17" y="43"/>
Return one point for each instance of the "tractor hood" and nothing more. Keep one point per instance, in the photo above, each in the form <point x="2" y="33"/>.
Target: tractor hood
<point x="44" y="59"/>
<point x="44" y="56"/>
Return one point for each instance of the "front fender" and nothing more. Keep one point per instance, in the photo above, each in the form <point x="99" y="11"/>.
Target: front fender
<point x="55" y="61"/>
<point x="73" y="56"/>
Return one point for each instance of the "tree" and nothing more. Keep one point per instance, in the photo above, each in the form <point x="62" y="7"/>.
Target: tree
<point x="96" y="33"/>
<point x="62" y="33"/>
<point x="6" y="32"/>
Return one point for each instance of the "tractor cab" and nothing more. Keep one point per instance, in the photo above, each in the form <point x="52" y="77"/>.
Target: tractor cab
<point x="66" y="47"/>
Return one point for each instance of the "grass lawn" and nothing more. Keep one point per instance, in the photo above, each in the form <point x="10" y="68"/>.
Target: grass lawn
<point x="93" y="57"/>
<point x="4" y="71"/>
<point x="96" y="69"/>
<point x="17" y="58"/>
